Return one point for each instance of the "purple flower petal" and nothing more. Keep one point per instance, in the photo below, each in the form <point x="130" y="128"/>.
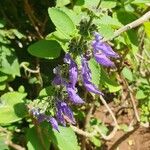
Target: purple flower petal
<point x="85" y="69"/>
<point x="104" y="48"/>
<point x="97" y="36"/>
<point x="73" y="70"/>
<point x="103" y="60"/>
<point x="63" y="107"/>
<point x="72" y="95"/>
<point x="41" y="118"/>
<point x="57" y="80"/>
<point x="59" y="116"/>
<point x="91" y="87"/>
<point x="53" y="123"/>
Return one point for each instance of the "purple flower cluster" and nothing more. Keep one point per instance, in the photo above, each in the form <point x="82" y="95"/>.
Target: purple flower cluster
<point x="102" y="53"/>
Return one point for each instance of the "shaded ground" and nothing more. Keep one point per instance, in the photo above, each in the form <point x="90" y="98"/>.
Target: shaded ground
<point x="138" y="139"/>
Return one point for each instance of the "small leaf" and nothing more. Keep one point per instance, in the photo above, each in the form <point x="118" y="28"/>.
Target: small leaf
<point x="108" y="20"/>
<point x="140" y="94"/>
<point x="112" y="85"/>
<point x="12" y="107"/>
<point x="96" y="141"/>
<point x="62" y="21"/>
<point x="65" y="139"/>
<point x="49" y="49"/>
<point x="108" y="4"/>
<point x="106" y="31"/>
<point x="127" y="74"/>
<point x="61" y="3"/>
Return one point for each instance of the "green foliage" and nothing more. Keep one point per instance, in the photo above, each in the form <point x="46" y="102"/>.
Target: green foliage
<point x="43" y="29"/>
<point x="45" y="49"/>
<point x="65" y="139"/>
<point x="62" y="21"/>
<point x="12" y="107"/>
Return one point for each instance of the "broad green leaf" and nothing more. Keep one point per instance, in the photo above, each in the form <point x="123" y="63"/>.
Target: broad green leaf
<point x="111" y="84"/>
<point x="62" y="21"/>
<point x="140" y="94"/>
<point x="74" y="17"/>
<point x="49" y="49"/>
<point x="127" y="74"/>
<point x="95" y="71"/>
<point x="65" y="139"/>
<point x="106" y="31"/>
<point x="12" y="107"/>
<point x="60" y="38"/>
<point x="147" y="28"/>
<point x="61" y="3"/>
<point x="108" y="20"/>
<point x="34" y="139"/>
<point x="9" y="62"/>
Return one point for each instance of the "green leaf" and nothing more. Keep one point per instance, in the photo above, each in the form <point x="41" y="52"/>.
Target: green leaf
<point x="74" y="17"/>
<point x="3" y="77"/>
<point x="108" y="20"/>
<point x="95" y="71"/>
<point x="9" y="62"/>
<point x="111" y="84"/>
<point x="33" y="139"/>
<point x="65" y="139"/>
<point x="61" y="3"/>
<point x="108" y="4"/>
<point x="49" y="49"/>
<point x="48" y="91"/>
<point x="96" y="141"/>
<point x="62" y="21"/>
<point x="106" y="31"/>
<point x="147" y="28"/>
<point x="127" y="74"/>
<point x="12" y="107"/>
<point x="140" y="94"/>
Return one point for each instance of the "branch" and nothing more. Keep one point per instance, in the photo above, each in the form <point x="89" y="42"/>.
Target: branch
<point x="109" y="110"/>
<point x="133" y="24"/>
<point x="28" y="69"/>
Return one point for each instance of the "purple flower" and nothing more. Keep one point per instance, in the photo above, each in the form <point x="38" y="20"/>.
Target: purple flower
<point x="86" y="72"/>
<point x="86" y="77"/>
<point x="72" y="95"/>
<point x="53" y="122"/>
<point x="73" y="70"/>
<point x="102" y="59"/>
<point x="103" y="52"/>
<point x="65" y="112"/>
